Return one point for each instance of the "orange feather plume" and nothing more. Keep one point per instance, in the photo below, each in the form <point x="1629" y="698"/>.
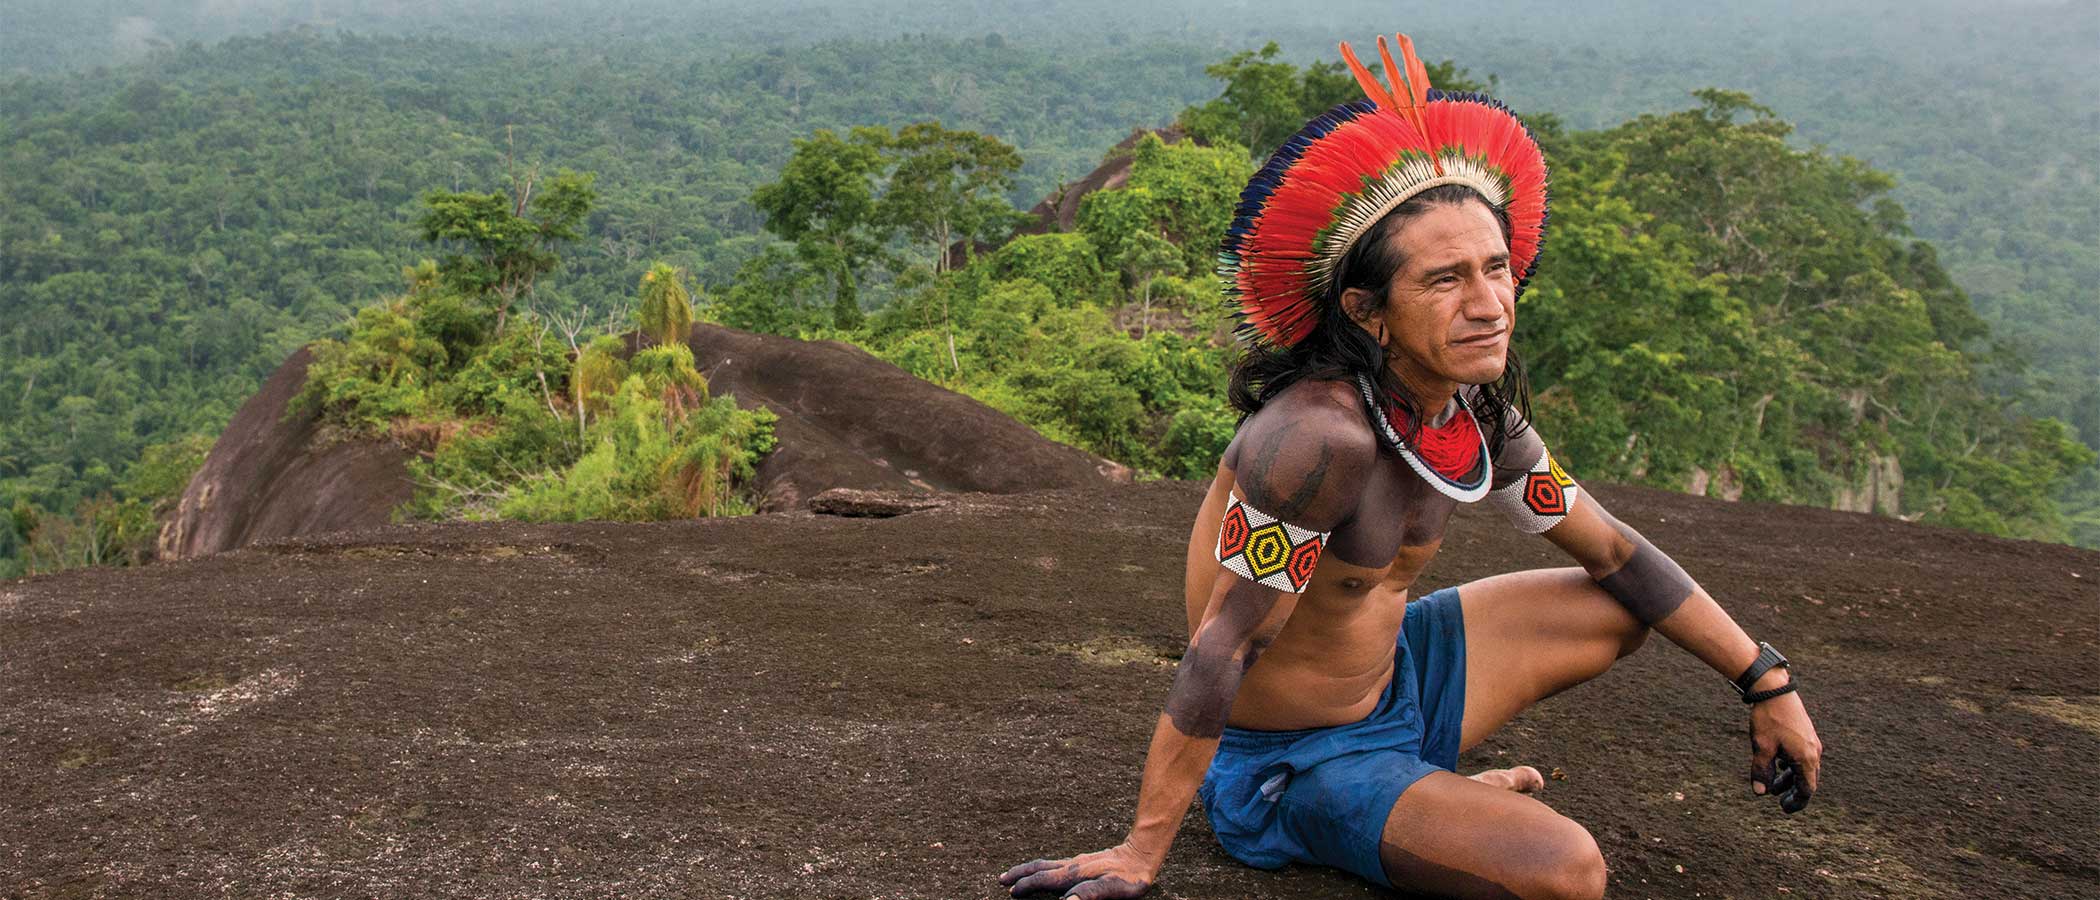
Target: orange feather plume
<point x="1365" y="80"/>
<point x="1409" y="91"/>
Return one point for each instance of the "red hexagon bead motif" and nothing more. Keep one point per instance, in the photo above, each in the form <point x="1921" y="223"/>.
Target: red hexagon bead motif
<point x="1545" y="496"/>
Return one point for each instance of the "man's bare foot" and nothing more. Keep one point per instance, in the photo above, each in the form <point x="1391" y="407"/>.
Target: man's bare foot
<point x="1522" y="779"/>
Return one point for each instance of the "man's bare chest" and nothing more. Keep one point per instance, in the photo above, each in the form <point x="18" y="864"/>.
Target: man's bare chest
<point x="1397" y="526"/>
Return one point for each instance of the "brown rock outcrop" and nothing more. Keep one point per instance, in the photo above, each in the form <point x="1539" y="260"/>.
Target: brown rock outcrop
<point x="271" y="475"/>
<point x="847" y="419"/>
<point x="809" y="706"/>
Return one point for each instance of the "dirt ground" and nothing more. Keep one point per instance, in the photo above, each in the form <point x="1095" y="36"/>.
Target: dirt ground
<point x="819" y="707"/>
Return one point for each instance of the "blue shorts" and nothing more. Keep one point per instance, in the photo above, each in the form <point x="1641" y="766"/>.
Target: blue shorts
<point x="1322" y="795"/>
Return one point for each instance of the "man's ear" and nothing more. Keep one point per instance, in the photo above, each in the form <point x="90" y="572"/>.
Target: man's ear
<point x="1359" y="305"/>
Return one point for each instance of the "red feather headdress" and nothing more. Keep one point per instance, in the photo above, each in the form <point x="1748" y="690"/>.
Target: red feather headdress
<point x="1342" y="172"/>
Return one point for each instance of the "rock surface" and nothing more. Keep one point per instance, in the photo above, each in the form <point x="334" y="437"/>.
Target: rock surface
<point x="802" y="706"/>
<point x="848" y="419"/>
<point x="271" y="475"/>
<point x="871" y="504"/>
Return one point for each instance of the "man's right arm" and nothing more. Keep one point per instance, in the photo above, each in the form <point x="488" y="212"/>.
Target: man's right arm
<point x="1300" y="468"/>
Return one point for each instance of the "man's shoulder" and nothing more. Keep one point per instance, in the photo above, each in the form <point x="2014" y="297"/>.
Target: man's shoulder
<point x="1331" y="412"/>
<point x="1305" y="455"/>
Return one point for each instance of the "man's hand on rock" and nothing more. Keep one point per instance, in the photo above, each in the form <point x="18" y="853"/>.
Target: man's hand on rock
<point x="1118" y="872"/>
<point x="1786" y="758"/>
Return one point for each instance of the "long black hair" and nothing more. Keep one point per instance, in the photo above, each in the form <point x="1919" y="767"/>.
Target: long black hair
<point x="1338" y="349"/>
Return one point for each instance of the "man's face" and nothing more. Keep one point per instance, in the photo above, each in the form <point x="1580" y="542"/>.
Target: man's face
<point x="1450" y="308"/>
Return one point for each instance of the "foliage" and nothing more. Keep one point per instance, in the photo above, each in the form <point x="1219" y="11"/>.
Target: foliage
<point x="179" y="221"/>
<point x="1069" y="265"/>
<point x="503" y="251"/>
<point x="943" y="187"/>
<point x="1267" y="99"/>
<point x="1719" y="305"/>
<point x="935" y="187"/>
<point x="1721" y="312"/>
<point x="600" y="369"/>
<point x="1182" y="192"/>
<point x="776" y="293"/>
<point x="666" y="312"/>
<point x="384" y="370"/>
<point x="645" y="464"/>
<point x="509" y="427"/>
<point x="111" y="528"/>
<point x="1038" y="331"/>
<point x="825" y="203"/>
<point x="184" y="221"/>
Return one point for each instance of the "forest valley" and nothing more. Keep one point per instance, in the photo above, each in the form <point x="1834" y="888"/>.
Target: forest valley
<point x="1717" y="311"/>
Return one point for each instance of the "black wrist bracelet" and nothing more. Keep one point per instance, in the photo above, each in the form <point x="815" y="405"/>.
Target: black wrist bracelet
<point x="1768" y="658"/>
<point x="1762" y="696"/>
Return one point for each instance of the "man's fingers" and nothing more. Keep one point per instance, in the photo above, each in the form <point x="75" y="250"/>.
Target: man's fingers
<point x="1811" y="766"/>
<point x="1783" y="779"/>
<point x="1056" y="879"/>
<point x="1024" y="870"/>
<point x="1795" y="800"/>
<point x="1762" y="753"/>
<point x="1108" y="887"/>
<point x="1790" y="782"/>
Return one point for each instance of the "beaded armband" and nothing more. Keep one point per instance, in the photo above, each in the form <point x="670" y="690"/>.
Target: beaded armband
<point x="1262" y="549"/>
<point x="1540" y="499"/>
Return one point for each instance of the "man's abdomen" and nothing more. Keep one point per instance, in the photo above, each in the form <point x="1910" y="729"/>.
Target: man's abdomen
<point x="1329" y="666"/>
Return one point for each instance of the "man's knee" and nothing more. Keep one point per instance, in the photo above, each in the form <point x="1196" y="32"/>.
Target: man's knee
<point x="1568" y="866"/>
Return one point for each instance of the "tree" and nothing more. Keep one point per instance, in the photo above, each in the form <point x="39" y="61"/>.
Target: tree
<point x="665" y="316"/>
<point x="1180" y="192"/>
<point x="596" y="377"/>
<point x="775" y="292"/>
<point x="945" y="185"/>
<point x="1124" y="225"/>
<point x="1259" y="107"/>
<point x="666" y="310"/>
<point x="825" y="202"/>
<point x="507" y="242"/>
<point x="938" y="193"/>
<point x="1145" y="257"/>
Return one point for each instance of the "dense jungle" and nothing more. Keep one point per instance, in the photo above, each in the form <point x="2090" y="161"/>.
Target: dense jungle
<point x="1837" y="257"/>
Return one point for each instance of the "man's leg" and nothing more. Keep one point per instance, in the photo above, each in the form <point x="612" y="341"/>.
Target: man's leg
<point x="1530" y="635"/>
<point x="1453" y="836"/>
<point x="1527" y="636"/>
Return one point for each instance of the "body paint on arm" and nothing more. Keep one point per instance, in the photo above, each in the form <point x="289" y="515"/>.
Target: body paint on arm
<point x="1650" y="584"/>
<point x="1218" y="656"/>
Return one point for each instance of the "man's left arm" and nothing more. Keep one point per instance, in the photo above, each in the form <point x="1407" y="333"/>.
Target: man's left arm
<point x="1539" y="497"/>
<point x="1656" y="590"/>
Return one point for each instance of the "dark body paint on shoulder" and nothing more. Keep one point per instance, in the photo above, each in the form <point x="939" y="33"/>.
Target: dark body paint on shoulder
<point x="1397" y="509"/>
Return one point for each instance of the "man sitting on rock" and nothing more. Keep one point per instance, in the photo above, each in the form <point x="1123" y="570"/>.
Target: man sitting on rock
<point x="1376" y="261"/>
